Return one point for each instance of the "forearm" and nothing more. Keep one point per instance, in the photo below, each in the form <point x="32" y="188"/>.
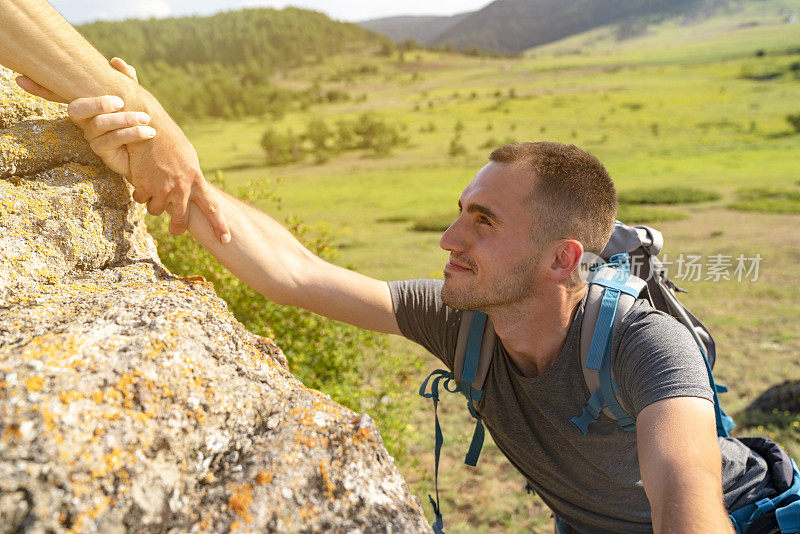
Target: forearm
<point x="36" y="41"/>
<point x="262" y="253"/>
<point x="268" y="258"/>
<point x="691" y="502"/>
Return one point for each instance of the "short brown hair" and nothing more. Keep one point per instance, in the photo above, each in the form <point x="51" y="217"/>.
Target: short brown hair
<point x="573" y="196"/>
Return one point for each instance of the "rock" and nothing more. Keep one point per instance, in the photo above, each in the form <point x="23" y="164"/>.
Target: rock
<point x="131" y="399"/>
<point x="784" y="397"/>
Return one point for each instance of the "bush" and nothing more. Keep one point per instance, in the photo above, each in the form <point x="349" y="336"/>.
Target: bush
<point x="351" y="365"/>
<point x="630" y="214"/>
<point x="438" y="222"/>
<point x="457" y="148"/>
<point x="281" y="148"/>
<point x="368" y="132"/>
<point x="667" y="195"/>
<point x="767" y="200"/>
<point x="489" y="143"/>
<point x="794" y="121"/>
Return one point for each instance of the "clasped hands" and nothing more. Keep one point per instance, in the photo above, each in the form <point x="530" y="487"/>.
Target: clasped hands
<point x="165" y="173"/>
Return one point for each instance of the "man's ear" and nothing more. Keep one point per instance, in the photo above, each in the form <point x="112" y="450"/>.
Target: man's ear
<point x="563" y="258"/>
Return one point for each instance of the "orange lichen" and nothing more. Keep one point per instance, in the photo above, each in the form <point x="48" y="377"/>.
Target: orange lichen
<point x="241" y="500"/>
<point x="329" y="487"/>
<point x="49" y="420"/>
<point x="264" y="478"/>
<point x="34" y="383"/>
<point x="68" y="396"/>
<point x="12" y="431"/>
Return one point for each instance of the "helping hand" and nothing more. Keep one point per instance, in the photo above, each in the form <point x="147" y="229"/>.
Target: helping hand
<point x="165" y="174"/>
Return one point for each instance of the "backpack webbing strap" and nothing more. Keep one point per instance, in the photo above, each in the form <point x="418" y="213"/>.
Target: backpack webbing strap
<point x="786" y="506"/>
<point x="472" y="354"/>
<point x="724" y="422"/>
<point x="437" y="525"/>
<point x="474" y="347"/>
<point x="619" y="291"/>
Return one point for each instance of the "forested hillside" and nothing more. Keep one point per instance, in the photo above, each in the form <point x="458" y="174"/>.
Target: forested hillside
<point x="220" y="65"/>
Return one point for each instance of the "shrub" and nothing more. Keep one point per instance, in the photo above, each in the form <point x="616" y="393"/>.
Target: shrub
<point x="280" y="148"/>
<point x="667" y="195"/>
<point x="438" y="222"/>
<point x="457" y="148"/>
<point x="767" y="200"/>
<point x="794" y="121"/>
<point x="631" y="214"/>
<point x="489" y="143"/>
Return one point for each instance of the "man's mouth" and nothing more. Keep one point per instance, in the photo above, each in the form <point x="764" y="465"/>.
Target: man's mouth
<point x="457" y="267"/>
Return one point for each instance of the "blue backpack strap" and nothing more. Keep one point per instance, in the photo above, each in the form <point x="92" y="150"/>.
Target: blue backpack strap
<point x="469" y="365"/>
<point x="469" y="373"/>
<point x="611" y="293"/>
<point x="724" y="422"/>
<point x="439" y="374"/>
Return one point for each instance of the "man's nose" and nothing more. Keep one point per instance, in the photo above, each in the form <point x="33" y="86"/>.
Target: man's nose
<point x="453" y="238"/>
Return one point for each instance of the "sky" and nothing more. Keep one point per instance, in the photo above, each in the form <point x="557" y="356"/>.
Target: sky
<point x="79" y="11"/>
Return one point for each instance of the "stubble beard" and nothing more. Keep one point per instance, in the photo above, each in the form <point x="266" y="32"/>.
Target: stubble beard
<point x="506" y="290"/>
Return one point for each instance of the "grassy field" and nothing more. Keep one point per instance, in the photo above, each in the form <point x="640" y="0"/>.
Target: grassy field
<point x="679" y="105"/>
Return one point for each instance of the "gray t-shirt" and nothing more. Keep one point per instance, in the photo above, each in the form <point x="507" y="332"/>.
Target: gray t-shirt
<point x="592" y="482"/>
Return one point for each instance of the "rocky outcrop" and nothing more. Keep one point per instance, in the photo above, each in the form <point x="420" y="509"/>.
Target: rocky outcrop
<point x="131" y="399"/>
<point x="783" y="397"/>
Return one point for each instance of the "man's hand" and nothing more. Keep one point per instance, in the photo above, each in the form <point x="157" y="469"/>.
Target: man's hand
<point x="165" y="173"/>
<point x="681" y="466"/>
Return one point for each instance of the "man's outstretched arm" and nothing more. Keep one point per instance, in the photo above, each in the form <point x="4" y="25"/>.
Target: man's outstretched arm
<point x="681" y="466"/>
<point x="268" y="258"/>
<point x="262" y="252"/>
<point x="37" y="42"/>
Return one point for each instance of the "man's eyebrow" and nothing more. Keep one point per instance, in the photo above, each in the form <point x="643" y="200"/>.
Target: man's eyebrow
<point x="480" y="208"/>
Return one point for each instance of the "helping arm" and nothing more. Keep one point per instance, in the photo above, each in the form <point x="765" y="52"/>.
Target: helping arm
<point x="37" y="42"/>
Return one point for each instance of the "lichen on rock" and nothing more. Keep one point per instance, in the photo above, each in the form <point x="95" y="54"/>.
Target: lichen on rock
<point x="131" y="399"/>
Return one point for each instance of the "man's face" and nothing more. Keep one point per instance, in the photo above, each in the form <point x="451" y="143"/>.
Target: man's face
<point x="493" y="257"/>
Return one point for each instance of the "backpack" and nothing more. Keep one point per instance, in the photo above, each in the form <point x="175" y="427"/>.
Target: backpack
<point x="626" y="269"/>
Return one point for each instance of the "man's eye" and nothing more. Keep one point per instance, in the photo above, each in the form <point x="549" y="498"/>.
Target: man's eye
<point x="484" y="220"/>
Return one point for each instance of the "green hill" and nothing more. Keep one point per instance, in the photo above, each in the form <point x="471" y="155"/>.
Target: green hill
<point x="221" y="65"/>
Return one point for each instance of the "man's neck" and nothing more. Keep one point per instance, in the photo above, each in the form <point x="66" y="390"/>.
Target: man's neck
<point x="534" y="332"/>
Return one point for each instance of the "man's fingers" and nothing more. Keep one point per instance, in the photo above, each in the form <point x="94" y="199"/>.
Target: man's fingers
<point x="35" y="89"/>
<point x="140" y="196"/>
<point x="206" y="200"/>
<point x="108" y="122"/>
<point x="124" y="68"/>
<point x="82" y="109"/>
<point x="156" y="206"/>
<point x="179" y="213"/>
<point x="112" y="141"/>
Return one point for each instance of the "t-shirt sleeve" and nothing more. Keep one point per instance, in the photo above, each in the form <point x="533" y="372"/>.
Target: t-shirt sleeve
<point x="658" y="359"/>
<point x="424" y="318"/>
